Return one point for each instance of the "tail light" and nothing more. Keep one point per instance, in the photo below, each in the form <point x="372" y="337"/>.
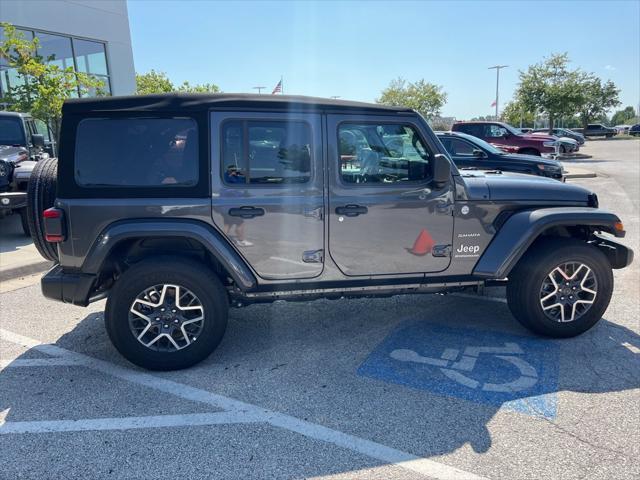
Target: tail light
<point x="54" y="227"/>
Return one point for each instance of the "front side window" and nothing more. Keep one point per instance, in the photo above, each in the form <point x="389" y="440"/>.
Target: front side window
<point x="265" y="152"/>
<point x="372" y="153"/>
<point x="137" y="152"/>
<point x="460" y="148"/>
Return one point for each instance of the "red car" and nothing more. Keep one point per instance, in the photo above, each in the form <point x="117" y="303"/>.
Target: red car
<point x="505" y="136"/>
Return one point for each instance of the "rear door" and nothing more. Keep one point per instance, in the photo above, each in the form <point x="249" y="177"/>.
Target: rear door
<point x="267" y="184"/>
<point x="385" y="215"/>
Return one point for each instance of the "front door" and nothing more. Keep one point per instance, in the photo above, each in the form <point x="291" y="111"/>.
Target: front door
<point x="385" y="216"/>
<point x="267" y="181"/>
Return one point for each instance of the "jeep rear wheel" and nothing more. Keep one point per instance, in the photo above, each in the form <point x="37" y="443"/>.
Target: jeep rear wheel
<point x="166" y="313"/>
<point x="560" y="288"/>
<point x="41" y="194"/>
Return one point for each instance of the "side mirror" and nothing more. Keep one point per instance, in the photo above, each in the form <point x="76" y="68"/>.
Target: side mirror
<point x="479" y="153"/>
<point x="37" y="140"/>
<point x="441" y="170"/>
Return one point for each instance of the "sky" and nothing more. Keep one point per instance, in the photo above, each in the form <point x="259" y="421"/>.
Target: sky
<point x="353" y="49"/>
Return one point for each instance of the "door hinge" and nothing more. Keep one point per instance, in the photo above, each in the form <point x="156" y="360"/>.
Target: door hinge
<point x="441" y="251"/>
<point x="313" y="256"/>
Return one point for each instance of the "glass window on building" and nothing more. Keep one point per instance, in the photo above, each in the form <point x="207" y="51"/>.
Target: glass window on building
<point x="82" y="55"/>
<point x="90" y="57"/>
<point x="55" y="49"/>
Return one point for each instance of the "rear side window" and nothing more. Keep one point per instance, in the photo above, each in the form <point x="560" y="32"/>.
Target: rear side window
<point x="372" y="153"/>
<point x="262" y="152"/>
<point x="137" y="152"/>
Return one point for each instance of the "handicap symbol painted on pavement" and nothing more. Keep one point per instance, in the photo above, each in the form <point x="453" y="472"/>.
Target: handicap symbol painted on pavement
<point x="518" y="373"/>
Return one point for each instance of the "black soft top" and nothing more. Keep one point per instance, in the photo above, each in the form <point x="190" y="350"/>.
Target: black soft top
<point x="202" y="102"/>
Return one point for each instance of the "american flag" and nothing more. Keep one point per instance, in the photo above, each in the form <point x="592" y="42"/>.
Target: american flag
<point x="493" y="104"/>
<point x="278" y="88"/>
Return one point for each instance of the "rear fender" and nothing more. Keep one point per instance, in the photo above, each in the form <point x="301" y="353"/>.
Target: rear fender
<point x="195" y="230"/>
<point x="523" y="228"/>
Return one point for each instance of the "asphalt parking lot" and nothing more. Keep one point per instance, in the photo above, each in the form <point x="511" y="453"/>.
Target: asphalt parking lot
<point x="345" y="389"/>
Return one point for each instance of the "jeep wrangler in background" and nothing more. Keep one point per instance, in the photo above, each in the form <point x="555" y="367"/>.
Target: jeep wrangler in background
<point x="21" y="145"/>
<point x="177" y="206"/>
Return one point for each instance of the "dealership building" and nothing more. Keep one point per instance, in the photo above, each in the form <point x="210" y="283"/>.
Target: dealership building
<point x="91" y="36"/>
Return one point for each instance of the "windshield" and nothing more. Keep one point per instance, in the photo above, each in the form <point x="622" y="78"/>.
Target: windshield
<point x="511" y="130"/>
<point x="11" y="131"/>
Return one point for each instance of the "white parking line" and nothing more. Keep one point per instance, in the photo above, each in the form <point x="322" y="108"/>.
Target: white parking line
<point x="123" y="423"/>
<point x="249" y="412"/>
<point x="36" y="362"/>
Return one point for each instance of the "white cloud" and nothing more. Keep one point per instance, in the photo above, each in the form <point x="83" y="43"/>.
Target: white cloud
<point x="609" y="67"/>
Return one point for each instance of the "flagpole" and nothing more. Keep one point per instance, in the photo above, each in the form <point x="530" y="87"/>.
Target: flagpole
<point x="281" y="85"/>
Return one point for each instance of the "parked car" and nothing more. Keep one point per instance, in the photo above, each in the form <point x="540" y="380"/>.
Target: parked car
<point x="567" y="145"/>
<point x="622" y="129"/>
<point x="21" y="145"/>
<point x="499" y="133"/>
<point x="596" y="130"/>
<point x="468" y="151"/>
<point x="635" y="130"/>
<point x="173" y="219"/>
<point x="562" y="132"/>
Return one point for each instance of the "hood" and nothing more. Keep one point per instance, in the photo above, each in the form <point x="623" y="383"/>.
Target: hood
<point x="502" y="187"/>
<point x="23" y="170"/>
<point x="519" y="157"/>
<point x="12" y="154"/>
<point x="540" y="138"/>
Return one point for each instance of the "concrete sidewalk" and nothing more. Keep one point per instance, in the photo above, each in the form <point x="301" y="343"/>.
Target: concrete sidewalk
<point x="577" y="172"/>
<point x="18" y="254"/>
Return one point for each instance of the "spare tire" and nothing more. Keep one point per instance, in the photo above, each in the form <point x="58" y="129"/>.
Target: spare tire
<point x="41" y="194"/>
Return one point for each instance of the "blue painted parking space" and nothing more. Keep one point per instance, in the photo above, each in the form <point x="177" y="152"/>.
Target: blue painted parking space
<point x="510" y="371"/>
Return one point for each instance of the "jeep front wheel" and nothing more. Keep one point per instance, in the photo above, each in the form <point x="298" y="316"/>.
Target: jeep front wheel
<point x="560" y="288"/>
<point x="166" y="313"/>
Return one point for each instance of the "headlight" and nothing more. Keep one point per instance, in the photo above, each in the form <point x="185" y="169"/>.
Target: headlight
<point x="548" y="168"/>
<point x="550" y="144"/>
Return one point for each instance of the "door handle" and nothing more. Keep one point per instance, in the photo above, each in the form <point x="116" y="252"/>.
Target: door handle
<point x="351" y="210"/>
<point x="246" y="212"/>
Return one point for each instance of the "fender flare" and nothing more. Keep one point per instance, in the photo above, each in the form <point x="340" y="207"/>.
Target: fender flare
<point x="199" y="231"/>
<point x="522" y="228"/>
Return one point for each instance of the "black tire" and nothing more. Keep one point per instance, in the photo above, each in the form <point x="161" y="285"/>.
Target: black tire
<point x="563" y="149"/>
<point x="24" y="220"/>
<point x="525" y="282"/>
<point x="41" y="194"/>
<point x="609" y="135"/>
<point x="167" y="270"/>
<point x="530" y="151"/>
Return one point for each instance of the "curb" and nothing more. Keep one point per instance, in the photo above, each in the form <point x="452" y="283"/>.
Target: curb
<point x="570" y="175"/>
<point x="24" y="270"/>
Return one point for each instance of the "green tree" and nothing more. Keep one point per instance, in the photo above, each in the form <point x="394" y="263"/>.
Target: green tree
<point x="621" y="117"/>
<point x="153" y="82"/>
<point x="198" y="88"/>
<point x="516" y="114"/>
<point x="158" y="82"/>
<point x="595" y="98"/>
<point x="41" y="87"/>
<point x="425" y="98"/>
<point x="551" y="88"/>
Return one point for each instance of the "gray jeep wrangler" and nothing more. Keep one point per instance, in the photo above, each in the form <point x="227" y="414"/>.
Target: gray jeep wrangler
<point x="21" y="146"/>
<point x="176" y="207"/>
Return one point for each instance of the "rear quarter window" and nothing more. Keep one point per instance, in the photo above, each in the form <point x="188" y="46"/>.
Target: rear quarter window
<point x="136" y="152"/>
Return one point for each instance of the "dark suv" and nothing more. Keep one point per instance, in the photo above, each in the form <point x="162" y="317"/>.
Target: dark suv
<point x="179" y="206"/>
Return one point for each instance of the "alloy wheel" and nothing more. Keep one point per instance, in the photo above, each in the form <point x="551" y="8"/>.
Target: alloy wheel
<point x="166" y="317"/>
<point x="568" y="292"/>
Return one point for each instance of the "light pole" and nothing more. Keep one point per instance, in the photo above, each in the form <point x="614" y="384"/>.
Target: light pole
<point x="497" y="67"/>
<point x="259" y="89"/>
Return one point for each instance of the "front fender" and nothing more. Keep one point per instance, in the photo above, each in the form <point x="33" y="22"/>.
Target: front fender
<point x="522" y="229"/>
<point x="200" y="232"/>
